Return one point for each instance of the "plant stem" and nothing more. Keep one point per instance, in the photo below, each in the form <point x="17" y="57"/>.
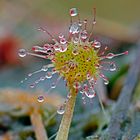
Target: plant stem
<point x="38" y="125"/>
<point x="67" y="117"/>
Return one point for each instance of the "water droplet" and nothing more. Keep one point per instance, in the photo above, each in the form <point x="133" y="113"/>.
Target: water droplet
<point x="42" y="78"/>
<point x="75" y="40"/>
<point x="56" y="46"/>
<point x="53" y="85"/>
<point x="90" y="94"/>
<point x="49" y="75"/>
<point x="84" y="35"/>
<point x="63" y="41"/>
<point x="30" y="74"/>
<point x="112" y="67"/>
<point x="81" y="91"/>
<point x="40" y="98"/>
<point x="74" y="28"/>
<point x="73" y="12"/>
<point x="45" y="68"/>
<point x="63" y="48"/>
<point x="32" y="85"/>
<point x="61" y="36"/>
<point x="110" y="55"/>
<point x="22" y="53"/>
<point x="106" y="82"/>
<point x="61" y="110"/>
<point x="46" y="46"/>
<point x="80" y="23"/>
<point x="96" y="44"/>
<point x="37" y="81"/>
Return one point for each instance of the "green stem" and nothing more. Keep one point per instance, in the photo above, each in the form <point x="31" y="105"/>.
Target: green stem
<point x="67" y="118"/>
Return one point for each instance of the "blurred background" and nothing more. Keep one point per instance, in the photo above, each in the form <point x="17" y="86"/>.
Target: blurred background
<point x="118" y="24"/>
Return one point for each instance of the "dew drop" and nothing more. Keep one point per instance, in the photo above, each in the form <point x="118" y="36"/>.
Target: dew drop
<point x="80" y="23"/>
<point x="42" y="78"/>
<point x="40" y="98"/>
<point x="49" y="75"/>
<point x="53" y="85"/>
<point x="106" y="82"/>
<point x="73" y="12"/>
<point x="63" y="41"/>
<point x="30" y="74"/>
<point x="84" y="35"/>
<point x="61" y="110"/>
<point x="81" y="91"/>
<point x="37" y="81"/>
<point x="45" y="68"/>
<point x="96" y="44"/>
<point x="46" y="46"/>
<point x="61" y="36"/>
<point x="22" y="53"/>
<point x="90" y="93"/>
<point x="63" y="48"/>
<point x="110" y="55"/>
<point x="75" y="40"/>
<point x="56" y="47"/>
<point x="74" y="28"/>
<point x="112" y="67"/>
<point x="32" y="85"/>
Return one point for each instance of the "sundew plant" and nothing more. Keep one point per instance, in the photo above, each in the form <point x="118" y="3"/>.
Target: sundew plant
<point x="79" y="60"/>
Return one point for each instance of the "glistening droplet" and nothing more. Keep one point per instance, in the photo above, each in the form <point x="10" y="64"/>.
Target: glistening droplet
<point x="53" y="85"/>
<point x="97" y="44"/>
<point x="45" y="68"/>
<point x="40" y="98"/>
<point x="74" y="28"/>
<point x="63" y="48"/>
<point x="61" y="110"/>
<point x="49" y="75"/>
<point x="73" y="12"/>
<point x="32" y="85"/>
<point x="84" y="35"/>
<point x="112" y="67"/>
<point x="106" y="82"/>
<point x="110" y="55"/>
<point x="22" y="53"/>
<point x="63" y="41"/>
<point x="90" y="93"/>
